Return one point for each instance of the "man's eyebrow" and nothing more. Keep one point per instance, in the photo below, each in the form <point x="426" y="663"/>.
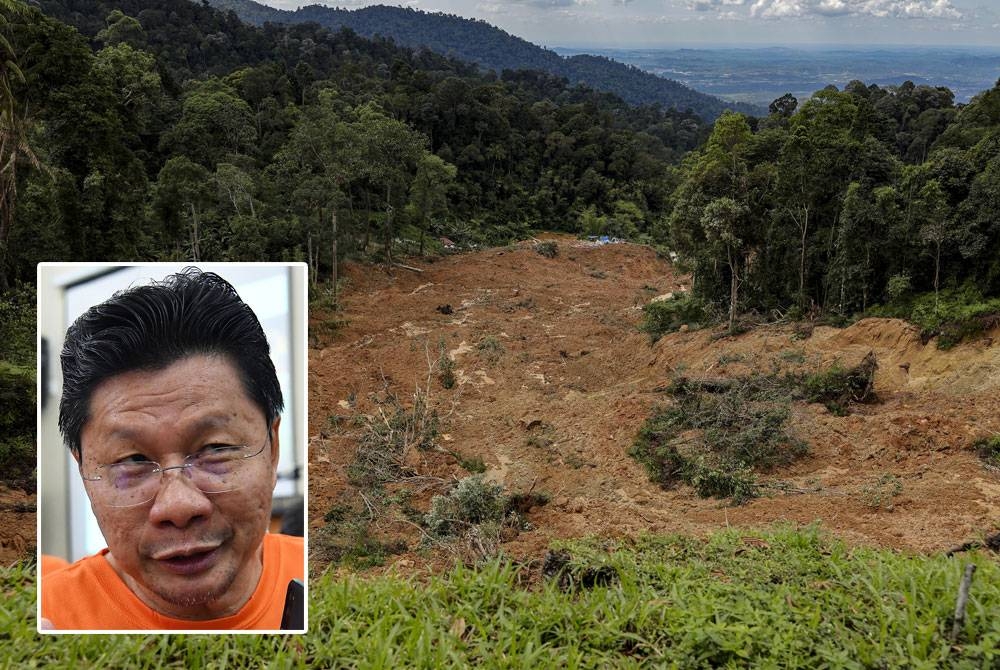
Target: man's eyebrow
<point x="208" y="422"/>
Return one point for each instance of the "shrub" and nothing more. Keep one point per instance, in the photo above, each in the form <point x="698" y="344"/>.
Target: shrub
<point x="17" y="326"/>
<point x="445" y="366"/>
<point x="837" y="386"/>
<point x="879" y="494"/>
<point x="898" y="287"/>
<point x="717" y="434"/>
<point x="491" y="349"/>
<point x="547" y="249"/>
<point x="953" y="315"/>
<point x="724" y="480"/>
<point x="388" y="437"/>
<point x="17" y="426"/>
<point x="472" y="502"/>
<point x="988" y="450"/>
<point x="666" y="316"/>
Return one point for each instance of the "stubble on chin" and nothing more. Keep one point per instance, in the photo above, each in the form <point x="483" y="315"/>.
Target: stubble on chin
<point x="199" y="596"/>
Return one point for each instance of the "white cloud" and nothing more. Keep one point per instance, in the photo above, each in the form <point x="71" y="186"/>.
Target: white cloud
<point x="897" y="9"/>
<point x="713" y="5"/>
<point x="551" y="4"/>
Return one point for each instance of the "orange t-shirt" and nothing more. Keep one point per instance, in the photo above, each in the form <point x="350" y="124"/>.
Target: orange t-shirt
<point x="50" y="563"/>
<point x="89" y="595"/>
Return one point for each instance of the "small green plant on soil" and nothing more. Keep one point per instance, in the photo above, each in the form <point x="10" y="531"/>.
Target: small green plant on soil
<point x="539" y="440"/>
<point x="491" y="349"/>
<point x="473" y="464"/>
<point x="879" y="493"/>
<point x="347" y="539"/>
<point x="988" y="450"/>
<point x="666" y="316"/>
<point x="548" y="249"/>
<point x="792" y="356"/>
<point x="541" y="436"/>
<point x="445" y="366"/>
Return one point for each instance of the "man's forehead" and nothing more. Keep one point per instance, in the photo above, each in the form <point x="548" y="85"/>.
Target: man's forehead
<point x="192" y="395"/>
<point x="204" y="423"/>
<point x="215" y="375"/>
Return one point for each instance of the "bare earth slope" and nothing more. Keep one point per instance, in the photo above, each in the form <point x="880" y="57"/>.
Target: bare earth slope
<point x="555" y="407"/>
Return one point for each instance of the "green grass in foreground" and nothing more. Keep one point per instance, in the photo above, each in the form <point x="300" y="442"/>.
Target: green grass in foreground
<point x="782" y="599"/>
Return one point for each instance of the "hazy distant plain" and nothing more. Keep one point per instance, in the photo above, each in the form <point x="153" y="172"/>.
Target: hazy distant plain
<point x="760" y="74"/>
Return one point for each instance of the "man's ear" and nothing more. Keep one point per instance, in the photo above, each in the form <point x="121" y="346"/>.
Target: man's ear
<point x="275" y="449"/>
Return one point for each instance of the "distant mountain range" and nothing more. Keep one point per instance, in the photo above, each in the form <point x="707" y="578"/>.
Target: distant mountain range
<point x="490" y="47"/>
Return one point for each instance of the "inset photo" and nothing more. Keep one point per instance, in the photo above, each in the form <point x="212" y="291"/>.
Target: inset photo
<point x="172" y="456"/>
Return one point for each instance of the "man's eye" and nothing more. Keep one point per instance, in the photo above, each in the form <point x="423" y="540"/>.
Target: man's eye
<point x="221" y="448"/>
<point x="215" y="453"/>
<point x="134" y="458"/>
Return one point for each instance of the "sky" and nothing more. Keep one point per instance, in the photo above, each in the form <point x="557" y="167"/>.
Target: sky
<point x="677" y="23"/>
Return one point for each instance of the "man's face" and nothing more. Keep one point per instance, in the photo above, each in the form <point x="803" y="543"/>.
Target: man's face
<point x="186" y="553"/>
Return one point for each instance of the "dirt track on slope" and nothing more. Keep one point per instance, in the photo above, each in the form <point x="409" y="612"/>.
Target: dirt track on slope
<point x="556" y="406"/>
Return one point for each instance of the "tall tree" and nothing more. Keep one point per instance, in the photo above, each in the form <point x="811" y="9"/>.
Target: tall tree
<point x="314" y="168"/>
<point x="390" y="150"/>
<point x="183" y="191"/>
<point x="14" y="127"/>
<point x="933" y="216"/>
<point x="429" y="191"/>
<point x="215" y="122"/>
<point x="814" y="163"/>
<point x="722" y="220"/>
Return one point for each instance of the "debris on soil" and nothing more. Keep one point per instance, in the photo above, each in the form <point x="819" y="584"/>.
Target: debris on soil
<point x="932" y="404"/>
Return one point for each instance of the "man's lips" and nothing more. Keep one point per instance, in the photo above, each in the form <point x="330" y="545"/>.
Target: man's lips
<point x="188" y="560"/>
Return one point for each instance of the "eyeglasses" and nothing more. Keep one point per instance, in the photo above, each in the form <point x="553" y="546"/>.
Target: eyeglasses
<point x="215" y="469"/>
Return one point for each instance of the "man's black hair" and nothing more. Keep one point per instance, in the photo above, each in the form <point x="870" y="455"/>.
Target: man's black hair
<point x="153" y="326"/>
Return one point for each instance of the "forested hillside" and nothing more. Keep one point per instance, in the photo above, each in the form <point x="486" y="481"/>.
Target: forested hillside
<point x="142" y="130"/>
<point x="862" y="196"/>
<point x="481" y="43"/>
<point x="171" y="130"/>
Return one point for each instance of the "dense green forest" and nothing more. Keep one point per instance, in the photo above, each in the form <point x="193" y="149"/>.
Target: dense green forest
<point x="170" y="130"/>
<point x="860" y="197"/>
<point x="479" y="42"/>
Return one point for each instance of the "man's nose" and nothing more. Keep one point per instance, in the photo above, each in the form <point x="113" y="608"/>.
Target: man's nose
<point x="178" y="500"/>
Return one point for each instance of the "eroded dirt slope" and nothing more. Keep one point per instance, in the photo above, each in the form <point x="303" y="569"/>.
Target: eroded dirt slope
<point x="554" y="380"/>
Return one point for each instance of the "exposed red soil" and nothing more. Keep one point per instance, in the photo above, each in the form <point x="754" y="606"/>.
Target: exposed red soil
<point x="575" y="371"/>
<point x="17" y="525"/>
